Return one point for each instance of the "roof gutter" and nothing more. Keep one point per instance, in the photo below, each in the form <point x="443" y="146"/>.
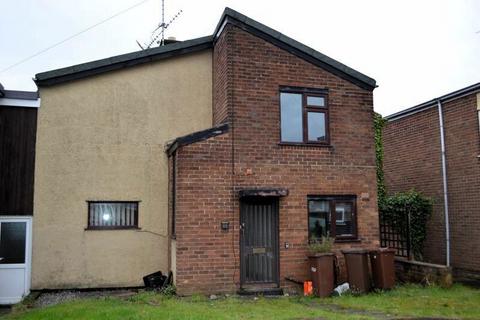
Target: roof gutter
<point x="432" y="103"/>
<point x="478" y="111"/>
<point x="444" y="178"/>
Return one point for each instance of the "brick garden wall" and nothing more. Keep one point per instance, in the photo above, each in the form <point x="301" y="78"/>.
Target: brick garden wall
<point x="247" y="74"/>
<point x="421" y="272"/>
<point x="413" y="160"/>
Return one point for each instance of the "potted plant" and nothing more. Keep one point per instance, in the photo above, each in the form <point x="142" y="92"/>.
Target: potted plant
<point x="321" y="261"/>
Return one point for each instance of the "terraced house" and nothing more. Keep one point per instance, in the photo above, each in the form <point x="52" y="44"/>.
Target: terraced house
<point x="216" y="158"/>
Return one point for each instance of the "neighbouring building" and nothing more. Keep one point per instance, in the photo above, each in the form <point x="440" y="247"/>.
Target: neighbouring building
<point x="18" y="123"/>
<point x="216" y="158"/>
<point x="413" y="160"/>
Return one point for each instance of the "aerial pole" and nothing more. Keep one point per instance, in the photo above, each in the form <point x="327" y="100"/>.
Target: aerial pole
<point x="159" y="31"/>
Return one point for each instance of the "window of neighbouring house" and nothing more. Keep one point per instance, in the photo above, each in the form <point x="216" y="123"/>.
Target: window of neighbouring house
<point x="334" y="216"/>
<point x="303" y="116"/>
<point x="112" y="214"/>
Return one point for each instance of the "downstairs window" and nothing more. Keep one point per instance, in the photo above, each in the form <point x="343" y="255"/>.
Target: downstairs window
<point x="112" y="215"/>
<point x="332" y="215"/>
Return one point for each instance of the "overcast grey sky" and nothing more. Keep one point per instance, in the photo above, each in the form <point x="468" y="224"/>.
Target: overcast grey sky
<point x="416" y="50"/>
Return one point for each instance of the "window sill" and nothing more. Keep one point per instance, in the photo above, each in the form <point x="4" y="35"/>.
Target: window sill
<point x="347" y="240"/>
<point x="111" y="228"/>
<point x="308" y="145"/>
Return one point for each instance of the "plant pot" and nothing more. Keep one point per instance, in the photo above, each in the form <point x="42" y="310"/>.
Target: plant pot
<point x="322" y="272"/>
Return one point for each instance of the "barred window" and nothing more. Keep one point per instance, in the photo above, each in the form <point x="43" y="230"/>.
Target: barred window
<point x="112" y="214"/>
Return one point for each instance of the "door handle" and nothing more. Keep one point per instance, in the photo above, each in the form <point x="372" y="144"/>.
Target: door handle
<point x="242" y="227"/>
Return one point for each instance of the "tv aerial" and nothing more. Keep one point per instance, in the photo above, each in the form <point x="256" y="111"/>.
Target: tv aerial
<point x="158" y="34"/>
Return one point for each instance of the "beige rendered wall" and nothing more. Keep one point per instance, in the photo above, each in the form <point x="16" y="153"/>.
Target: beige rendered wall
<point x="102" y="138"/>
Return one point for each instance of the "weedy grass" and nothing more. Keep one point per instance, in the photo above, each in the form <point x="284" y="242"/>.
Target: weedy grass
<point x="409" y="300"/>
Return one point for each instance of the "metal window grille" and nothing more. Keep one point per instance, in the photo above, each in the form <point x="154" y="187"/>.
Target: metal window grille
<point x="112" y="215"/>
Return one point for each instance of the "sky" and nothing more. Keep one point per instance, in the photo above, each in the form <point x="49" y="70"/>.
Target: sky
<point x="416" y="50"/>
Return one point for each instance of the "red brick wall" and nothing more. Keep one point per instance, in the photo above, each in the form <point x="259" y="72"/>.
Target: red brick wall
<point x="462" y="141"/>
<point x="206" y="261"/>
<point x="413" y="160"/>
<point x="222" y="82"/>
<point x="249" y="93"/>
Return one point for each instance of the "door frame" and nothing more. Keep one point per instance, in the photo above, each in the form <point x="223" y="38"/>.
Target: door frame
<point x="28" y="254"/>
<point x="276" y="281"/>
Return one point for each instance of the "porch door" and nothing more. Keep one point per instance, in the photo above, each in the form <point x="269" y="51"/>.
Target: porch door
<point x="15" y="246"/>
<point x="259" y="262"/>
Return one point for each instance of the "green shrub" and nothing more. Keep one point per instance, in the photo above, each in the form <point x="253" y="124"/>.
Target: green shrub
<point x="168" y="291"/>
<point x="323" y="245"/>
<point x="379" y="124"/>
<point x="408" y="210"/>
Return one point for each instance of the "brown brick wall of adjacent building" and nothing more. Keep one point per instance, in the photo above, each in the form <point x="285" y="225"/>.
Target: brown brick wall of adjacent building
<point x="462" y="141"/>
<point x="413" y="160"/>
<point x="248" y="91"/>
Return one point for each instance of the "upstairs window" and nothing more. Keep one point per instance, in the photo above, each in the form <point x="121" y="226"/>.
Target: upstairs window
<point x="112" y="215"/>
<point x="304" y="116"/>
<point x="334" y="216"/>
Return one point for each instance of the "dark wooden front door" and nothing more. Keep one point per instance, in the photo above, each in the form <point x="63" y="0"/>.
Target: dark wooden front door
<point x="259" y="241"/>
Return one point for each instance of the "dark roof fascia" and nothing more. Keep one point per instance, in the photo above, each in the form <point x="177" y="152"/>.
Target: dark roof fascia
<point x="432" y="103"/>
<point x="195" y="137"/>
<point x="122" y="61"/>
<point x="294" y="47"/>
<point x="263" y="192"/>
<point x="22" y="95"/>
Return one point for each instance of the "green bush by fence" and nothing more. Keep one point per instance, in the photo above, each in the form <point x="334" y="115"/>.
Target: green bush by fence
<point x="404" y="211"/>
<point x="412" y="208"/>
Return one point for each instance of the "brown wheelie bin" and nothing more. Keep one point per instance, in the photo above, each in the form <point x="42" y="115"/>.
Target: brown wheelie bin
<point x="357" y="269"/>
<point x="383" y="268"/>
<point x="323" y="273"/>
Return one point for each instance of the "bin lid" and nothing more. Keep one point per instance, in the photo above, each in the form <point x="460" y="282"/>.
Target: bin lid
<point x="383" y="250"/>
<point x="355" y="251"/>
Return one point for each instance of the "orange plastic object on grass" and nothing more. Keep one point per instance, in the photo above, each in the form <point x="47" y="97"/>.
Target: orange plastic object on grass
<point x="307" y="288"/>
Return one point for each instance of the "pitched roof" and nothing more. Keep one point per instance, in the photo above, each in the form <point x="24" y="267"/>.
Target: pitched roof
<point x="432" y="103"/>
<point x="122" y="61"/>
<point x="18" y="94"/>
<point x="17" y="98"/>
<point x="195" y="137"/>
<point x="293" y="46"/>
<point x="228" y="16"/>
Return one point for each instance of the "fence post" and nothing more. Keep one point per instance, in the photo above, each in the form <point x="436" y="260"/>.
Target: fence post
<point x="409" y="251"/>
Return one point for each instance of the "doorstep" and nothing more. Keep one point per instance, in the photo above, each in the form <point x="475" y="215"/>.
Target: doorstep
<point x="260" y="291"/>
<point x="4" y="310"/>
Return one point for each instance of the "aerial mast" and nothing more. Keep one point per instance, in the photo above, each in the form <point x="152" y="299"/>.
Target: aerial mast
<point x="159" y="31"/>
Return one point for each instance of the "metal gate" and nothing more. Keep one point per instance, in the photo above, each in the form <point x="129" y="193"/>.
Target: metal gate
<point x="259" y="262"/>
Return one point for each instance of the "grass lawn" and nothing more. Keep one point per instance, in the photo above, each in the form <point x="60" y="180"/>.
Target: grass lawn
<point x="457" y="302"/>
<point x="416" y="301"/>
